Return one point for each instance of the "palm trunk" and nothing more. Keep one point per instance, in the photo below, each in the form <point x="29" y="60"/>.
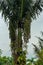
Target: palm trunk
<point x="16" y="45"/>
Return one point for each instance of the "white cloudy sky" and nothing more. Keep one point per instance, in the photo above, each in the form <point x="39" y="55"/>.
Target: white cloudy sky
<point x="36" y="27"/>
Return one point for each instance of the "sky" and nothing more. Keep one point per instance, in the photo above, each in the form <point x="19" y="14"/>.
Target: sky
<point x="36" y="27"/>
<point x="4" y="37"/>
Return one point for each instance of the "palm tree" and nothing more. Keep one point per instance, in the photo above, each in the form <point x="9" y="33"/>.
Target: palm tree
<point x="19" y="14"/>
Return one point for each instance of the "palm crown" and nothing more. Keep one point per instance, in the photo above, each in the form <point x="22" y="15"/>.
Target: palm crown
<point x="20" y="12"/>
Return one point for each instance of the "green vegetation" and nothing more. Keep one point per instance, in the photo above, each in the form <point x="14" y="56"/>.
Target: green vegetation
<point x="38" y="51"/>
<point x="19" y="15"/>
<point x="6" y="60"/>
